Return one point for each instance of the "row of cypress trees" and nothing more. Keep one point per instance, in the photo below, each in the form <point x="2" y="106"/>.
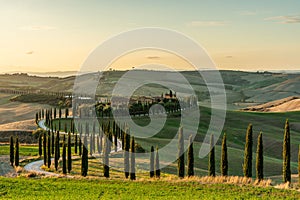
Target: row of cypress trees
<point x="248" y="156"/>
<point x="129" y="166"/>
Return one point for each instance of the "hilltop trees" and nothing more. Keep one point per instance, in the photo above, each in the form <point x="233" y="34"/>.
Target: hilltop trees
<point x="224" y="159"/>
<point x="11" y="151"/>
<point x="286" y="153"/>
<point x="247" y="167"/>
<point x="180" y="156"/>
<point x="211" y="163"/>
<point x="259" y="159"/>
<point x="190" y="161"/>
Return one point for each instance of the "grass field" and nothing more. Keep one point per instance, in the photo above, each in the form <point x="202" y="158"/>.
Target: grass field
<point x="25" y="150"/>
<point x="271" y="124"/>
<point x="60" y="188"/>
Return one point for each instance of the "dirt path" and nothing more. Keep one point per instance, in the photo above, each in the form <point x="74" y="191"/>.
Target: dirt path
<point x="5" y="168"/>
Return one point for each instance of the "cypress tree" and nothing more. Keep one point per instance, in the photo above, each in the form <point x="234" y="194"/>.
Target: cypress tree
<point x="59" y="113"/>
<point x="190" y="162"/>
<point x="132" y="159"/>
<point x="56" y="153"/>
<point x="80" y="147"/>
<point x="69" y="154"/>
<point x="247" y="167"/>
<point x="49" y="150"/>
<point x="126" y="153"/>
<point x="36" y="118"/>
<point x="224" y="157"/>
<point x="116" y="141"/>
<point x="180" y="160"/>
<point x="76" y="143"/>
<point x="64" y="159"/>
<point x="67" y="113"/>
<point x="17" y="153"/>
<point x="259" y="159"/>
<point x="286" y="154"/>
<point x="152" y="162"/>
<point x="100" y="142"/>
<point x="11" y="151"/>
<point x="156" y="164"/>
<point x="84" y="158"/>
<point x="106" y="158"/>
<point x="91" y="144"/>
<point x="211" y="163"/>
<point x="52" y="143"/>
<point x="58" y="146"/>
<point x="45" y="147"/>
<point x="54" y="113"/>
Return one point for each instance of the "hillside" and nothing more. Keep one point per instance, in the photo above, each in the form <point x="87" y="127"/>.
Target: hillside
<point x="283" y="105"/>
<point x="242" y="88"/>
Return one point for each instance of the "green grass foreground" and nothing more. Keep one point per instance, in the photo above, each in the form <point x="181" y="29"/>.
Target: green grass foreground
<point x="60" y="188"/>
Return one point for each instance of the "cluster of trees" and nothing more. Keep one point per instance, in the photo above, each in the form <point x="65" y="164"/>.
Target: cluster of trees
<point x="110" y="133"/>
<point x="49" y="147"/>
<point x="14" y="151"/>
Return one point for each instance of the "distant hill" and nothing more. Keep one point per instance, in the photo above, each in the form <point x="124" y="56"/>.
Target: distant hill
<point x="283" y="105"/>
<point x="242" y="88"/>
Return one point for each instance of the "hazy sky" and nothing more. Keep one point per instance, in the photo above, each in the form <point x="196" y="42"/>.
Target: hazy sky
<point x="57" y="35"/>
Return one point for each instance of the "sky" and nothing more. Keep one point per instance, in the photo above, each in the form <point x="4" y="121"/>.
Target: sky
<point x="58" y="35"/>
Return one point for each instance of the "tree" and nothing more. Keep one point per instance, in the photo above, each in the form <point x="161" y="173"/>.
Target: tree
<point x="132" y="159"/>
<point x="11" y="151"/>
<point x="106" y="158"/>
<point x="126" y="153"/>
<point x="52" y="143"/>
<point x="259" y="159"/>
<point x="59" y="113"/>
<point x="211" y="163"/>
<point x="180" y="160"/>
<point x="49" y="149"/>
<point x="224" y="157"/>
<point x="286" y="153"/>
<point x="76" y="144"/>
<point x="56" y="153"/>
<point x="156" y="165"/>
<point x="247" y="167"/>
<point x="17" y="153"/>
<point x="45" y="147"/>
<point x="84" y="158"/>
<point x="152" y="162"/>
<point x="64" y="159"/>
<point x="69" y="153"/>
<point x="80" y="147"/>
<point x="67" y="113"/>
<point x="190" y="161"/>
